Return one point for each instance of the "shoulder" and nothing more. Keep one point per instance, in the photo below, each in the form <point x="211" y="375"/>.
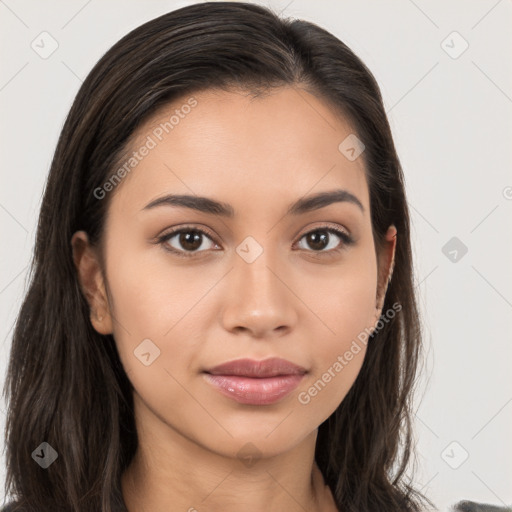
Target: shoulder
<point x="472" y="506"/>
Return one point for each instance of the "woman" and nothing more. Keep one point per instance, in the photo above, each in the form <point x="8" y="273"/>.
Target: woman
<point x="221" y="313"/>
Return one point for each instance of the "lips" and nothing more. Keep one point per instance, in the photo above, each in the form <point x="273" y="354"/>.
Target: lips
<point x="252" y="382"/>
<point x="272" y="367"/>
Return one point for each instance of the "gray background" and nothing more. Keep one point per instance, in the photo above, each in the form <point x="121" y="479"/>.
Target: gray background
<point x="450" y="112"/>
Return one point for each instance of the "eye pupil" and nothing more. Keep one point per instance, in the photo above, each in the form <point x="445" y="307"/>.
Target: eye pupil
<point x="318" y="241"/>
<point x="189" y="240"/>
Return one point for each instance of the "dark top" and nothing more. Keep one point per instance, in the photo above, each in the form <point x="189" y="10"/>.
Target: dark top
<point x="461" y="506"/>
<point x="471" y="506"/>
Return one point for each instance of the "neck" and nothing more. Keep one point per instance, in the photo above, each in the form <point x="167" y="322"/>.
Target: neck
<point x="171" y="472"/>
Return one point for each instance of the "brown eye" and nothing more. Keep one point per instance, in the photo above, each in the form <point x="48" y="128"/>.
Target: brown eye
<point x="327" y="238"/>
<point x="190" y="240"/>
<point x="186" y="241"/>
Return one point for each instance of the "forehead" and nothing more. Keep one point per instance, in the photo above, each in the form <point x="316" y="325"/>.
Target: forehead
<point x="245" y="150"/>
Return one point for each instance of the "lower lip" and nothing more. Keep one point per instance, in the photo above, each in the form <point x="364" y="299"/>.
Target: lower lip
<point x="254" y="391"/>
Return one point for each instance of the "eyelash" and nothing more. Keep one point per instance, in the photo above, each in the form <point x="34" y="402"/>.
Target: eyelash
<point x="347" y="240"/>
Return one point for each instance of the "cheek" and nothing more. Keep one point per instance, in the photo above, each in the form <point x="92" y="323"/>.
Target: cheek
<point x="346" y="306"/>
<point x="343" y="299"/>
<point x="161" y="301"/>
<point x="352" y="306"/>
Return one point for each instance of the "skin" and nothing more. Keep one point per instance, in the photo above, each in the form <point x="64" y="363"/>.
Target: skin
<point x="294" y="301"/>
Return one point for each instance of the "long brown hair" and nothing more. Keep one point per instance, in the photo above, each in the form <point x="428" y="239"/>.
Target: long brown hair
<point x="65" y="383"/>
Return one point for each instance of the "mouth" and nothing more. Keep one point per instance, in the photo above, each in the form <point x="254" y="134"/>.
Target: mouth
<point x="272" y="367"/>
<point x="254" y="390"/>
<point x="252" y="382"/>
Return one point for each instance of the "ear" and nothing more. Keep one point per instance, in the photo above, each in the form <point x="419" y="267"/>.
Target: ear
<point x="91" y="281"/>
<point x="385" y="270"/>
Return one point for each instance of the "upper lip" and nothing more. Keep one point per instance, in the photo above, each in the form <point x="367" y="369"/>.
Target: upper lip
<point x="251" y="368"/>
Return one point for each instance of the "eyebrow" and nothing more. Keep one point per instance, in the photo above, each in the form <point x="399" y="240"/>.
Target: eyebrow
<point x="303" y="205"/>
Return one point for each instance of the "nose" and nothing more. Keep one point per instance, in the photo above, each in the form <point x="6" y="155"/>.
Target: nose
<point x="258" y="299"/>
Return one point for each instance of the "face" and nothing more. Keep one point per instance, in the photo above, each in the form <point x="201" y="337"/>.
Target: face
<point x="189" y="289"/>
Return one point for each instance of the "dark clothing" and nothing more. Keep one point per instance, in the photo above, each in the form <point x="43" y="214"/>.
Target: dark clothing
<point x="471" y="506"/>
